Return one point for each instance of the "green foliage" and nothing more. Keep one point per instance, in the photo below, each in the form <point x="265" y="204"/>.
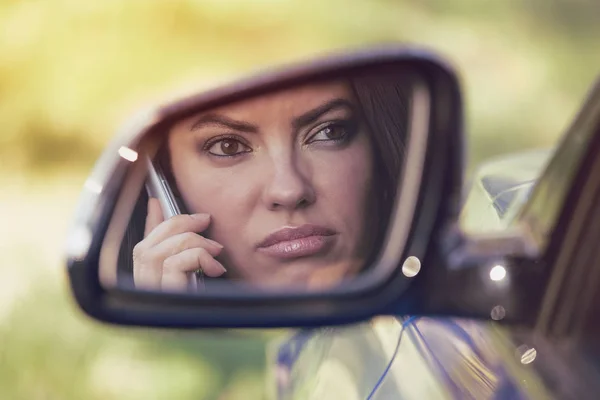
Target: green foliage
<point x="51" y="351"/>
<point x="71" y="71"/>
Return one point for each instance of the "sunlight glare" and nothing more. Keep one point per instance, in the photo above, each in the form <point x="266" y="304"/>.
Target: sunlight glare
<point x="498" y="273"/>
<point x="128" y="154"/>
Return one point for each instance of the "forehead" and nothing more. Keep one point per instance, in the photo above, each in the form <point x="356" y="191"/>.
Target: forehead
<point x="294" y="100"/>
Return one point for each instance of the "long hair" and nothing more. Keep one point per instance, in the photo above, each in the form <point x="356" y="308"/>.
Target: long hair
<point x="383" y="100"/>
<point x="383" y="96"/>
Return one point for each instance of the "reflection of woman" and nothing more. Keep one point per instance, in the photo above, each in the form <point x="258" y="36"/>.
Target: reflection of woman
<point x="294" y="187"/>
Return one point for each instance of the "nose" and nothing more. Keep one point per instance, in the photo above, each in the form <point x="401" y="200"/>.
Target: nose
<point x="289" y="187"/>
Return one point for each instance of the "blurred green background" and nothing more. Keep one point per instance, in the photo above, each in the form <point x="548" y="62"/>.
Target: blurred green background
<point x="71" y="71"/>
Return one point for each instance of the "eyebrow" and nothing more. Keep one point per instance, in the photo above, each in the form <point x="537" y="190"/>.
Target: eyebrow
<point x="298" y="122"/>
<point x="214" y="119"/>
<point x="316" y="113"/>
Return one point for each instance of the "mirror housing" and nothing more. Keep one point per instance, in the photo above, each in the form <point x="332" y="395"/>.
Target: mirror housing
<point x="435" y="207"/>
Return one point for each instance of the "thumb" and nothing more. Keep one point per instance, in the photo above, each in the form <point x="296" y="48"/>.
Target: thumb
<point x="154" y="217"/>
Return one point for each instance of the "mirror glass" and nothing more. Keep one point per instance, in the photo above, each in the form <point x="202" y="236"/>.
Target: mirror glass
<point x="294" y="188"/>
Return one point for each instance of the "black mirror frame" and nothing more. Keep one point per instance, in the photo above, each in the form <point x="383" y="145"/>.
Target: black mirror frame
<point x="437" y="207"/>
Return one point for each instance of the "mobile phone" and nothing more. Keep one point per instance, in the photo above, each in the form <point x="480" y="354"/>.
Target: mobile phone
<point x="157" y="186"/>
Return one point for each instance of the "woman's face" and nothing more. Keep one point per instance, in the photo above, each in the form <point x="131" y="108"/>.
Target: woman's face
<point x="288" y="181"/>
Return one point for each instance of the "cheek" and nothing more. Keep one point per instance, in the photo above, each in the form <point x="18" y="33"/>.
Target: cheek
<point x="344" y="180"/>
<point x="227" y="194"/>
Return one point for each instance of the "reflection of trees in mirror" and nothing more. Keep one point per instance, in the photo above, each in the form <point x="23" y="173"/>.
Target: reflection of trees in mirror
<point x="317" y="164"/>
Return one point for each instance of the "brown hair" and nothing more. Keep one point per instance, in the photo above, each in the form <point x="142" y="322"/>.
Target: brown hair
<point x="383" y="96"/>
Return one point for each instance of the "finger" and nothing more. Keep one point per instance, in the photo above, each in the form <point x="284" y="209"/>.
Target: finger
<point x="176" y="225"/>
<point x="176" y="268"/>
<point x="183" y="241"/>
<point x="154" y="217"/>
<point x="148" y="262"/>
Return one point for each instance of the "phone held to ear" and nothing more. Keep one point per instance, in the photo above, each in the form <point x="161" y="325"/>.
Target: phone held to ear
<point x="158" y="187"/>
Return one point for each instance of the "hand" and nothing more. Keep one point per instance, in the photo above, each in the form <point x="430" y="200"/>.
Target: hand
<point x="172" y="250"/>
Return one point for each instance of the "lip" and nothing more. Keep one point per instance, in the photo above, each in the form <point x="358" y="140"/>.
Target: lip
<point x="293" y="242"/>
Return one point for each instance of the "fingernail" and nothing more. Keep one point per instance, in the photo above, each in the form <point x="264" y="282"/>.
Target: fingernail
<point x="219" y="245"/>
<point x="221" y="265"/>
<point x="201" y="216"/>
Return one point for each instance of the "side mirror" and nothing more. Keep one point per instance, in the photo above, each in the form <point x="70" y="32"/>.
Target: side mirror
<point x="320" y="193"/>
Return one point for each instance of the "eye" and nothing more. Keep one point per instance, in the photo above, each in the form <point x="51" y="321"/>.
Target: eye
<point x="332" y="132"/>
<point x="227" y="147"/>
